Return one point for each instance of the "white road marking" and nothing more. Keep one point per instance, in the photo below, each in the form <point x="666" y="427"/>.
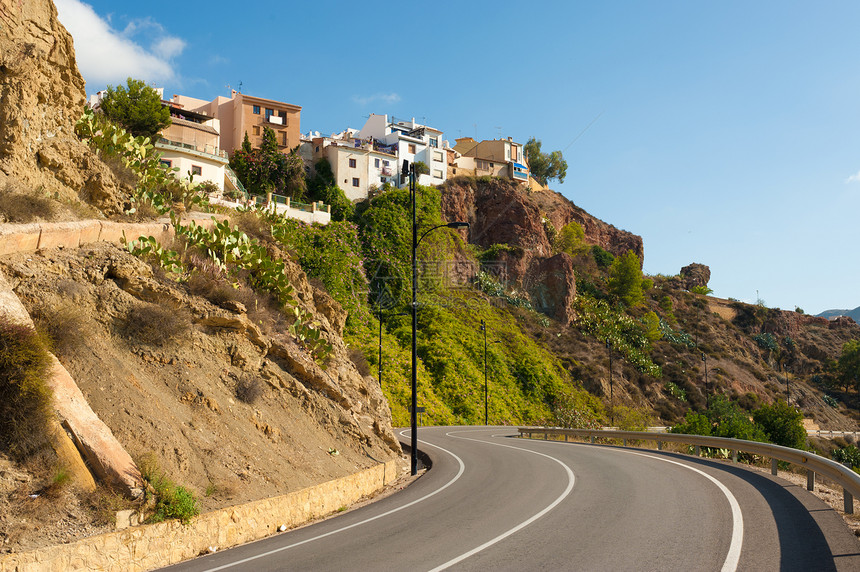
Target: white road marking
<point x="570" y="482"/>
<point x="354" y="525"/>
<point x="734" y="554"/>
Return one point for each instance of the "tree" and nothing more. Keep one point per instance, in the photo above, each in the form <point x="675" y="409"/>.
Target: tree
<point x="545" y="167"/>
<point x="137" y="108"/>
<point x="849" y="364"/>
<point x="571" y="239"/>
<point x="268" y="170"/>
<point x="625" y="279"/>
<point x="782" y="423"/>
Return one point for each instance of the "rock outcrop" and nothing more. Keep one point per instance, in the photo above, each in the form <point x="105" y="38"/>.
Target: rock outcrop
<point x="695" y="275"/>
<point x="41" y="97"/>
<point x="502" y="212"/>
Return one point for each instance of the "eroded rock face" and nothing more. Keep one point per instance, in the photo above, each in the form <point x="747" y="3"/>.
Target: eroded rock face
<point x="695" y="275"/>
<point x="41" y="97"/>
<point x="554" y="287"/>
<point x="500" y="212"/>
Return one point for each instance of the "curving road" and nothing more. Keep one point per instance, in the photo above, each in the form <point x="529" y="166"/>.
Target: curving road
<point x="493" y="502"/>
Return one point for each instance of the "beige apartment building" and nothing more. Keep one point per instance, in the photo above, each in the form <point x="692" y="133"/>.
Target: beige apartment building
<point x="493" y="157"/>
<point x="240" y="114"/>
<point x="191" y="144"/>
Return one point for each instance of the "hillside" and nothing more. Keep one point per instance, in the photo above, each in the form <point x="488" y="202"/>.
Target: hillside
<point x="242" y="358"/>
<point x="853" y="314"/>
<point x="235" y="386"/>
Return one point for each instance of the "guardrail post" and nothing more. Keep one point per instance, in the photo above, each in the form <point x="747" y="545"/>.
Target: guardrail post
<point x="546" y="436"/>
<point x="624" y="442"/>
<point x="849" y="502"/>
<point x="810" y="480"/>
<point x="659" y="445"/>
<point x="565" y="437"/>
<point x="734" y="456"/>
<point x="592" y="439"/>
<point x="773" y="466"/>
<point x="698" y="451"/>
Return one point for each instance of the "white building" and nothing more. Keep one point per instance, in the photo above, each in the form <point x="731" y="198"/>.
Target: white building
<point x="408" y="140"/>
<point x="357" y="165"/>
<point x="191" y="143"/>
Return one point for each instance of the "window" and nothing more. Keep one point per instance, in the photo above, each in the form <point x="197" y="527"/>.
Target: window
<point x="256" y="129"/>
<point x="196" y="170"/>
<point x="434" y="142"/>
<point x="412" y="148"/>
<point x="256" y="110"/>
<point x="283" y="138"/>
<point x="437" y="174"/>
<point x="385" y="162"/>
<point x="515" y="152"/>
<point x="167" y="163"/>
<point x="437" y="156"/>
<point x="352" y="165"/>
<point x="355" y="181"/>
<point x="269" y="112"/>
<point x="376" y="162"/>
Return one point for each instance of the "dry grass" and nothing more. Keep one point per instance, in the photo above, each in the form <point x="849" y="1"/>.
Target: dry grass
<point x="153" y="325"/>
<point x="66" y="325"/>
<point x="250" y="388"/>
<point x="18" y="207"/>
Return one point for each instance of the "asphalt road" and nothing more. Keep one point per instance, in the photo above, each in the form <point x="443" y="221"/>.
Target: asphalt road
<point x="494" y="502"/>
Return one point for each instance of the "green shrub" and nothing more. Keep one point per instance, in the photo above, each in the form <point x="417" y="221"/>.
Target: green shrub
<point x="675" y="391"/>
<point x="603" y="258"/>
<point x="766" y="341"/>
<point x="848" y="456"/>
<point x="625" y="280"/>
<point x="171" y="500"/>
<point x="571" y="239"/>
<point x="701" y="290"/>
<point x="25" y="397"/>
<point x="782" y="423"/>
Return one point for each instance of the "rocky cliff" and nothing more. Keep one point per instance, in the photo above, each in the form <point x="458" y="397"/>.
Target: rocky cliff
<point x="502" y="212"/>
<point x="41" y="97"/>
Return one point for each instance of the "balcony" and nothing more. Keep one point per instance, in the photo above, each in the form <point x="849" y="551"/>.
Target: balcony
<point x="276" y="120"/>
<point x="200" y="150"/>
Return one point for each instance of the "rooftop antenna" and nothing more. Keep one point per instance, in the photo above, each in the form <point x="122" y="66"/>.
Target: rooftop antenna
<point x="500" y="131"/>
<point x="240" y="86"/>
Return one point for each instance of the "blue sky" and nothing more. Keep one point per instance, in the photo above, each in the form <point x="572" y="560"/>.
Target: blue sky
<point x="725" y="133"/>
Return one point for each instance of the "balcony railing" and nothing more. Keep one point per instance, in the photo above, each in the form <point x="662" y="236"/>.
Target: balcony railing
<point x="208" y="149"/>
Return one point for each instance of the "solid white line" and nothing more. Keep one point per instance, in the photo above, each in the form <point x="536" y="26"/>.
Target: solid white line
<point x="371" y="519"/>
<point x="734" y="554"/>
<point x="570" y="482"/>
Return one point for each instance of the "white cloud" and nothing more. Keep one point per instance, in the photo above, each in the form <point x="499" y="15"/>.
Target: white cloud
<point x="106" y="56"/>
<point x="387" y="98"/>
<point x="169" y="47"/>
<point x="855" y="178"/>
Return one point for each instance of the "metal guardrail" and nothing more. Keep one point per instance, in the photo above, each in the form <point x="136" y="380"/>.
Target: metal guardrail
<point x="843" y="476"/>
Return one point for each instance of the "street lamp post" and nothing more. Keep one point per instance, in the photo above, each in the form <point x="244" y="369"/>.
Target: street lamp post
<point x="486" y="386"/>
<point x="611" y="396"/>
<point x="380" y="346"/>
<point x="705" y="359"/>
<point x="413" y="191"/>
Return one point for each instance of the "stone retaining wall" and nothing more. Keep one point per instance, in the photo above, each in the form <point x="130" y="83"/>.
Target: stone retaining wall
<point x="152" y="546"/>
<point x="31" y="237"/>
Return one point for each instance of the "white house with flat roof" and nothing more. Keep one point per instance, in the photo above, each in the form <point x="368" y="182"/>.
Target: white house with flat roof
<point x="408" y="140"/>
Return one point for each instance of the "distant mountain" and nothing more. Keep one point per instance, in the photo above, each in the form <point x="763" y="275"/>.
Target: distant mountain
<point x="853" y="314"/>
